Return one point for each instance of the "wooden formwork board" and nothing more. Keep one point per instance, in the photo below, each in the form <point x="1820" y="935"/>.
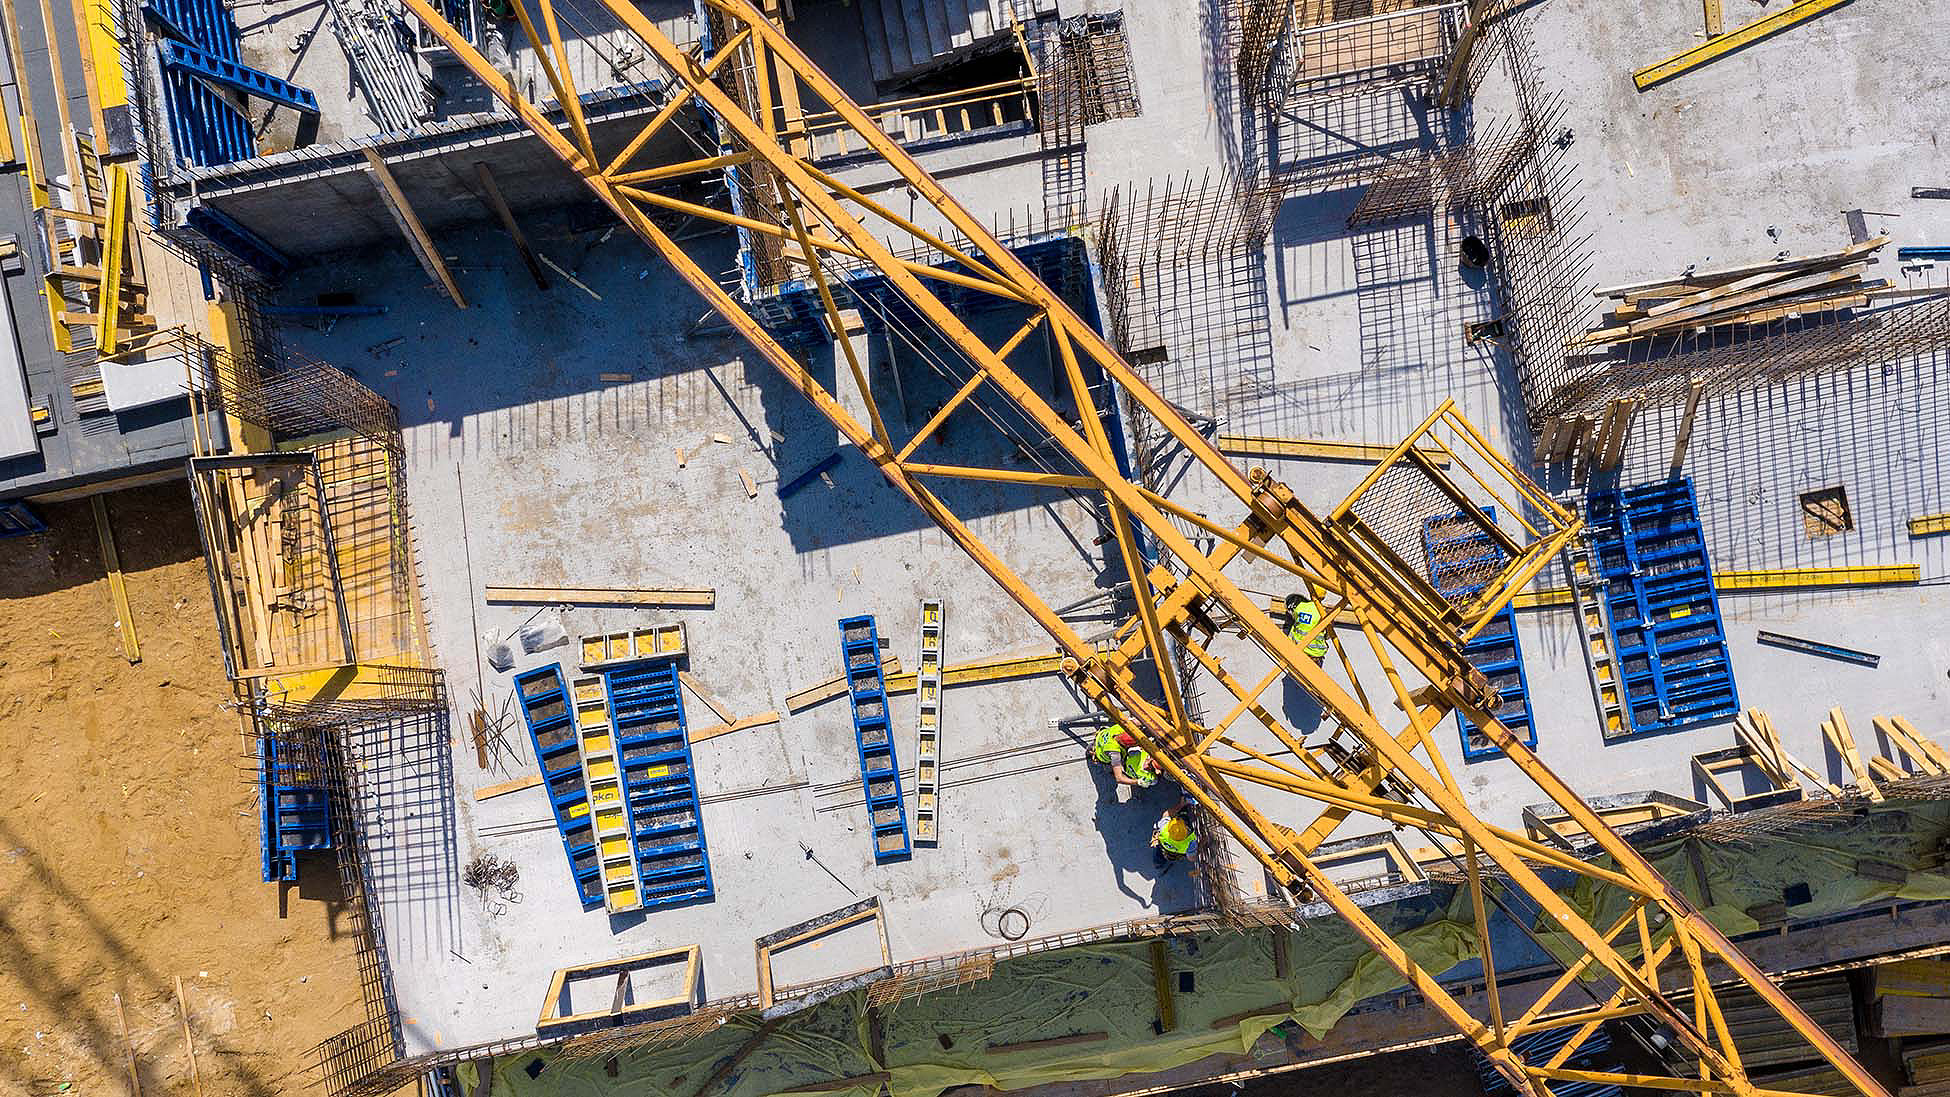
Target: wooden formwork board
<point x="273" y="569"/>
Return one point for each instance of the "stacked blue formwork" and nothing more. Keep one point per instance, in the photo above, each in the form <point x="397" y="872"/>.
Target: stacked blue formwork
<point x="1538" y="1047"/>
<point x="1462" y="557"/>
<point x="880" y="771"/>
<point x="206" y="128"/>
<point x="659" y="782"/>
<point x="546" y="709"/>
<point x="18" y="521"/>
<point x="1662" y="609"/>
<point x="294" y="807"/>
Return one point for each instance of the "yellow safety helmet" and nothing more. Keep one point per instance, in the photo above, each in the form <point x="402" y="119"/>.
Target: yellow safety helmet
<point x="1177" y="831"/>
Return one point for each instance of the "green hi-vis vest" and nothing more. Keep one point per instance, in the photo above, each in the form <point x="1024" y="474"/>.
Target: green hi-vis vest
<point x="1135" y="768"/>
<point x="1177" y="848"/>
<point x="1304" y="616"/>
<point x="1106" y="743"/>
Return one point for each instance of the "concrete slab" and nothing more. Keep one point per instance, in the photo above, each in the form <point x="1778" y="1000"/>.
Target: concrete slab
<point x="571" y="479"/>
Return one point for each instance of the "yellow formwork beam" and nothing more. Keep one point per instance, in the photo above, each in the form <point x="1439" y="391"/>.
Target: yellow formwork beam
<point x="350" y="682"/>
<point x="1771" y="579"/>
<point x="1924" y="525"/>
<point x="118" y="589"/>
<point x="1713" y="48"/>
<point x="983" y="670"/>
<point x="115" y="245"/>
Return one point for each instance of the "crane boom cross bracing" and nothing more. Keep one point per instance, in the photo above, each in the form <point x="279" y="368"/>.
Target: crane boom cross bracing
<point x="1656" y="950"/>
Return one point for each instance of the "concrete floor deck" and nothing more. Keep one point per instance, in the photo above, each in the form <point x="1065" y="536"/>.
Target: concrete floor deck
<point x="571" y="480"/>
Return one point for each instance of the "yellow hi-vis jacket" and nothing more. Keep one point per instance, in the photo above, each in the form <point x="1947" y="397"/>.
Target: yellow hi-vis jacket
<point x="1305" y="615"/>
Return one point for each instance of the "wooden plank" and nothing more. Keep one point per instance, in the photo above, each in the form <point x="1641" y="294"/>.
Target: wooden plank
<point x="189" y="1041"/>
<point x="1900" y="740"/>
<point x="489" y="792"/>
<point x="744" y="1052"/>
<point x="833" y="687"/>
<point x="1906" y="1015"/>
<point x="1686" y="421"/>
<point x="409" y="224"/>
<point x="993" y="669"/>
<point x="1257" y="445"/>
<point x="1835" y="728"/>
<point x="751" y="486"/>
<point x="832" y="1085"/>
<point x="499" y="205"/>
<point x="1688" y="60"/>
<point x="1886" y="769"/>
<point x="763" y="719"/>
<point x="675" y="597"/>
<point x="1054" y="1041"/>
<point x="710" y="701"/>
<point x="1715" y="20"/>
<point x="1659" y="287"/>
<point x="1161" y="986"/>
<point x="117" y="588"/>
<point x="114" y="252"/>
<point x="1929" y="745"/>
<point x="128" y="1049"/>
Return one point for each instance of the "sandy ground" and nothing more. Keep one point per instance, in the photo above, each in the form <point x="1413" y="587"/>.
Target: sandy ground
<point x="128" y="835"/>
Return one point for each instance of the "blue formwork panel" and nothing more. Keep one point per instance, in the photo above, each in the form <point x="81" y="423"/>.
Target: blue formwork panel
<point x="237" y="76"/>
<point x="880" y="771"/>
<point x="295" y="809"/>
<point x="646" y="709"/>
<point x="1667" y="637"/>
<point x="16" y="520"/>
<point x="547" y="710"/>
<point x="224" y="231"/>
<point x="1456" y="565"/>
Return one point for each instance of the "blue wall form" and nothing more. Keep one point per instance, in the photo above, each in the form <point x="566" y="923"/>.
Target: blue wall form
<point x="1667" y="636"/>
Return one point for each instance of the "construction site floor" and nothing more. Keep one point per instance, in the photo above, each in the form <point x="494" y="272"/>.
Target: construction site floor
<point x="128" y="840"/>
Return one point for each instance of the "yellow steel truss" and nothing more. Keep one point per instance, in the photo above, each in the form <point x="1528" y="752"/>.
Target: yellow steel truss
<point x="1359" y="560"/>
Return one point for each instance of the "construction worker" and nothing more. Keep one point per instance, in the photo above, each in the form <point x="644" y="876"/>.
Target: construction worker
<point x="1173" y="837"/>
<point x="1302" y="613"/>
<point x="1128" y="762"/>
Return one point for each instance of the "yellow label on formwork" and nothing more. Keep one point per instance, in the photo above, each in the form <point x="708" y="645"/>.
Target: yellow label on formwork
<point x="657" y="771"/>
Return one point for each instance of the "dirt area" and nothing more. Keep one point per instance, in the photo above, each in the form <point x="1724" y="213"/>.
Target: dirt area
<point x="128" y="834"/>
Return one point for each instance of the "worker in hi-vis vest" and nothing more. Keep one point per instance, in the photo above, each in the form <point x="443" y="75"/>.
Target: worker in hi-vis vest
<point x="1128" y="762"/>
<point x="1302" y="613"/>
<point x="1173" y="836"/>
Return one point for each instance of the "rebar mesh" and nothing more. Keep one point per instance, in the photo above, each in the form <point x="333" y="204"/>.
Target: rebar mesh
<point x="1419" y="524"/>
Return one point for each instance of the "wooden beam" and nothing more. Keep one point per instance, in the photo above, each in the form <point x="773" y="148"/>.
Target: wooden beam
<point x="832" y="1085"/>
<point x="1054" y="1041"/>
<point x="1715" y="20"/>
<point x="1929" y="745"/>
<point x="189" y="1041"/>
<point x="1663" y="287"/>
<point x="833" y="687"/>
<point x="492" y="191"/>
<point x="409" y="224"/>
<point x="676" y="597"/>
<point x="1161" y="986"/>
<point x="1457" y="80"/>
<point x="128" y="1044"/>
<point x="1688" y="60"/>
<point x="489" y="792"/>
<point x="1685" y="438"/>
<point x="763" y="719"/>
<point x="744" y="1052"/>
<point x="115" y="243"/>
<point x="710" y="700"/>
<point x="118" y="590"/>
<point x="1835" y="729"/>
<point x="1919" y="752"/>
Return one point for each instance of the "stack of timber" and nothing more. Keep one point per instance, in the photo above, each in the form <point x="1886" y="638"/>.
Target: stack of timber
<point x="1911" y="998"/>
<point x="1759" y="293"/>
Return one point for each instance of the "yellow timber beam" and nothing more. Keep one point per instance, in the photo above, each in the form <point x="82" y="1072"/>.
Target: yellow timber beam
<point x="1713" y="48"/>
<point x="1768" y="579"/>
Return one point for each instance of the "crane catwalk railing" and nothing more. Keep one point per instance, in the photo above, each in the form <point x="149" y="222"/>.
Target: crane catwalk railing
<point x="1362" y="562"/>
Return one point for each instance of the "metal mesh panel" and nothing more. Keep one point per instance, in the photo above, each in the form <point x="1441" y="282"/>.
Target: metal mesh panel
<point x="1420" y="525"/>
